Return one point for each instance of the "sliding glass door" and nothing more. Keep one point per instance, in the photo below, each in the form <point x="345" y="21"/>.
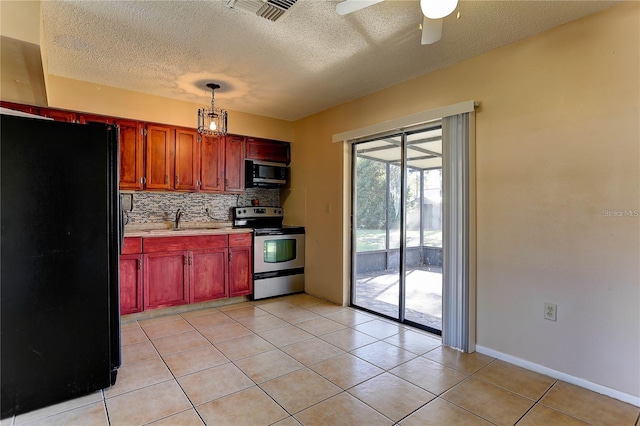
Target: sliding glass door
<point x="376" y="226"/>
<point x="397" y="226"/>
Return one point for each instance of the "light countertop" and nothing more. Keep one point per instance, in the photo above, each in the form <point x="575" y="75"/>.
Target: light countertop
<point x="221" y="228"/>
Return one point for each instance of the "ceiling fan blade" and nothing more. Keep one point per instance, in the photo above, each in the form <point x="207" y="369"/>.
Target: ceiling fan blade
<point x="347" y="6"/>
<point x="431" y="30"/>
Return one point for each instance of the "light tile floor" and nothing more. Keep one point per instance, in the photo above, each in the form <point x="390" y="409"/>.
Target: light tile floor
<point x="299" y="360"/>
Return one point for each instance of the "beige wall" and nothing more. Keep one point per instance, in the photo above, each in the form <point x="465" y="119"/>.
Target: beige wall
<point x="20" y="20"/>
<point x="83" y="96"/>
<point x="21" y="58"/>
<point x="558" y="140"/>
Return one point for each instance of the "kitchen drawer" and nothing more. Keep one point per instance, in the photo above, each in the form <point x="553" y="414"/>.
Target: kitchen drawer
<point x="132" y="245"/>
<point x="240" y="240"/>
<point x="166" y="244"/>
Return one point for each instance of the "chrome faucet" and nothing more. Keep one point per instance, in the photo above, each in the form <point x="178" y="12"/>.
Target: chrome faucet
<point x="179" y="214"/>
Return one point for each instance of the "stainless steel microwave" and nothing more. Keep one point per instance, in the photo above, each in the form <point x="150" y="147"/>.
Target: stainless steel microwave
<point x="264" y="174"/>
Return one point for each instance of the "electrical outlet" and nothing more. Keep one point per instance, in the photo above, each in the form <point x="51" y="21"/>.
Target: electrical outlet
<point x="550" y="311"/>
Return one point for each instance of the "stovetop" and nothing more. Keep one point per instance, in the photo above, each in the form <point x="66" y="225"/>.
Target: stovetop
<point x="257" y="217"/>
<point x="257" y="212"/>
<point x="264" y="220"/>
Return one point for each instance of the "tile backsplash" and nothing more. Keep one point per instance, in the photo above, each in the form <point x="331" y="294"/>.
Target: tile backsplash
<point x="161" y="207"/>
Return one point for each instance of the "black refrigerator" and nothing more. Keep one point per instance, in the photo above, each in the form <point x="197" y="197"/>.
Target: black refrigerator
<point x="60" y="245"/>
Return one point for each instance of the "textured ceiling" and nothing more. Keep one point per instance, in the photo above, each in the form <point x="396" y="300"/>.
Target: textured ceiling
<point x="307" y="61"/>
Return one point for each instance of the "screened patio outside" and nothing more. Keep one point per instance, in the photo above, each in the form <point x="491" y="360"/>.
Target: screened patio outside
<point x="377" y="226"/>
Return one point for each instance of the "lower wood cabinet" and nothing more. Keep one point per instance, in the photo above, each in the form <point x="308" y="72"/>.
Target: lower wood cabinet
<point x="190" y="269"/>
<point x="172" y="271"/>
<point x="166" y="279"/>
<point x="208" y="275"/>
<point x="131" y="276"/>
<point x="130" y="283"/>
<point x="240" y="265"/>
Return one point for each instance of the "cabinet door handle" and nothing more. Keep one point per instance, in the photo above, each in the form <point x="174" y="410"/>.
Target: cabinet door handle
<point x="177" y="180"/>
<point x="166" y="179"/>
<point x="218" y="182"/>
<point x="139" y="263"/>
<point x="226" y="182"/>
<point x="191" y="260"/>
<point x="184" y="258"/>
<point x="230" y="257"/>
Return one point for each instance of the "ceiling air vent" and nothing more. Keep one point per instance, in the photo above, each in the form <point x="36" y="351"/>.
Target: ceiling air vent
<point x="268" y="9"/>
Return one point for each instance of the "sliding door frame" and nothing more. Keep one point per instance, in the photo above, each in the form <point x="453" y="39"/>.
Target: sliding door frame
<point x="459" y="313"/>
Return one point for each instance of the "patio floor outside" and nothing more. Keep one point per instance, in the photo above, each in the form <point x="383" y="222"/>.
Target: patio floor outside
<point x="379" y="292"/>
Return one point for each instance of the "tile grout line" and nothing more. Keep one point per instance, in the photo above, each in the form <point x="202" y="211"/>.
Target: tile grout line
<point x="351" y="327"/>
<point x="537" y="401"/>
<point x="170" y="372"/>
<point x="459" y="406"/>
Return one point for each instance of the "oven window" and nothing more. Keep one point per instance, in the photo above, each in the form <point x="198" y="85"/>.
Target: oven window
<point x="277" y="251"/>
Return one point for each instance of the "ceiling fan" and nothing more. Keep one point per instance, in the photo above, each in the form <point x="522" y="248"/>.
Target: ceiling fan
<point x="434" y="12"/>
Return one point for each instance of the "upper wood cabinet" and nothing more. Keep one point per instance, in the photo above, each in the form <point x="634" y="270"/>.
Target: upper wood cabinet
<point x="131" y="154"/>
<point x="159" y="153"/>
<point x="89" y="118"/>
<point x="59" y="115"/>
<point x="212" y="153"/>
<point x="20" y="107"/>
<point x="268" y="150"/>
<point x="160" y="157"/>
<point x="234" y="164"/>
<point x="187" y="160"/>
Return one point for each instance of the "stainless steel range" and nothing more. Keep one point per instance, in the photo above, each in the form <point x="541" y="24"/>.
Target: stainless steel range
<point x="278" y="251"/>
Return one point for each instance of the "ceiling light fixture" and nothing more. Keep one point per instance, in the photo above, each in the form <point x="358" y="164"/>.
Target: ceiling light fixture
<point x="212" y="121"/>
<point x="438" y="9"/>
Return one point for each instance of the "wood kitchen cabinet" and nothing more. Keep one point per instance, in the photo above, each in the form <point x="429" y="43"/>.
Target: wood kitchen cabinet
<point x="180" y="270"/>
<point x="160" y="157"/>
<point x="166" y="279"/>
<point x="234" y="164"/>
<point x="30" y="109"/>
<point x="159" y="152"/>
<point x="131" y="276"/>
<point x="187" y="160"/>
<point x="90" y="118"/>
<point x="240" y="265"/>
<point x="131" y="154"/>
<point x="222" y="166"/>
<point x="208" y="275"/>
<point x="130" y="283"/>
<point x="171" y="159"/>
<point x="212" y="164"/>
<point x="268" y="150"/>
<point x="59" y="115"/>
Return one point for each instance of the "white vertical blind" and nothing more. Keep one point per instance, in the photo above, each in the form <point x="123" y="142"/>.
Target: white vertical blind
<point x="458" y="294"/>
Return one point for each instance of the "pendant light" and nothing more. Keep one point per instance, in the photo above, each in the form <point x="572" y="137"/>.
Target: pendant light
<point x="212" y="121"/>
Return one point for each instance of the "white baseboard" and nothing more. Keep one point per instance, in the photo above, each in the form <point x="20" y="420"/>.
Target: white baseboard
<point x="625" y="397"/>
